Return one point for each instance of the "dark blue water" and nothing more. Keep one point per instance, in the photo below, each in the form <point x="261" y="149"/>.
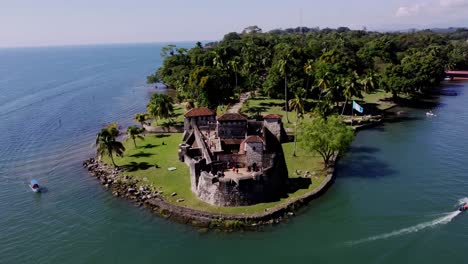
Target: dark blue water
<point x="394" y="200"/>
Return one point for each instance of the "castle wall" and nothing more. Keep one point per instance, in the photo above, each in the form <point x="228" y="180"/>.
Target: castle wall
<point x="254" y="153"/>
<point x="232" y="129"/>
<point x="200" y="121"/>
<point x="265" y="186"/>
<point x="275" y="127"/>
<point x="239" y="159"/>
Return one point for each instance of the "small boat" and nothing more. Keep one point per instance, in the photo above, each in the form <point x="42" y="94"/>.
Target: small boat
<point x="463" y="207"/>
<point x="430" y="113"/>
<point x="35" y="186"/>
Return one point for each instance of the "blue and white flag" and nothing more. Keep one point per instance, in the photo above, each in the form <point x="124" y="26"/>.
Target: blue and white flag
<point x="358" y="107"/>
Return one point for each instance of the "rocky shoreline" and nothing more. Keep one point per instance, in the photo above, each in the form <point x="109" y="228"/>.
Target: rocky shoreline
<point x="121" y="185"/>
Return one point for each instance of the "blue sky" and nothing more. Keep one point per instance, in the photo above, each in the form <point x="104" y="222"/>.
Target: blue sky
<point x="65" y="22"/>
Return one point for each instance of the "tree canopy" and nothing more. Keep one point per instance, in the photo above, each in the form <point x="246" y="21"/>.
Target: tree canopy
<point x="327" y="137"/>
<point x="332" y="65"/>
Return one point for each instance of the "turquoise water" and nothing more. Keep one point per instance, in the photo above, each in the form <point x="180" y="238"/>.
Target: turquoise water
<point x="394" y="199"/>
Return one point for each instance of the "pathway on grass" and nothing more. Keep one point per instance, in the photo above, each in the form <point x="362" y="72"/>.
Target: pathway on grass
<point x="237" y="106"/>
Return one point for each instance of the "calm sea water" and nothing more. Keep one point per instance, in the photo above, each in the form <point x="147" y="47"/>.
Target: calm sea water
<point x="394" y="200"/>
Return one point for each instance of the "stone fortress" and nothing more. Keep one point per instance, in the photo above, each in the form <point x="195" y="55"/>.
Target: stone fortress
<point x="234" y="161"/>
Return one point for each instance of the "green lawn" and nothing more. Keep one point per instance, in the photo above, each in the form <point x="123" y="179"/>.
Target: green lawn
<point x="376" y="97"/>
<point x="263" y="105"/>
<point x="151" y="151"/>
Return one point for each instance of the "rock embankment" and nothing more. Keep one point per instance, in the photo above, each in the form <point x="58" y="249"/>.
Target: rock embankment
<point x="121" y="185"/>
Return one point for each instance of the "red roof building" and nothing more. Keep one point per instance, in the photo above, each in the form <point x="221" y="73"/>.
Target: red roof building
<point x="200" y="111"/>
<point x="272" y="116"/>
<point x="231" y="117"/>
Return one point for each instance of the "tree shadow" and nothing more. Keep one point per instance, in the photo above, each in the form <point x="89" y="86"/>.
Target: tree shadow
<point x="161" y="136"/>
<point x="270" y="104"/>
<point x="257" y="109"/>
<point x="141" y="155"/>
<point x="136" y="166"/>
<point x="364" y="166"/>
<point x="149" y="146"/>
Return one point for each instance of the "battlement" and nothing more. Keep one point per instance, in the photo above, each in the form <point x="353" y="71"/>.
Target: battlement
<point x="234" y="161"/>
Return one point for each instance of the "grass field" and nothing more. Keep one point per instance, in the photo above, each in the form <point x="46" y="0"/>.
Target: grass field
<point x="262" y="105"/>
<point x="161" y="150"/>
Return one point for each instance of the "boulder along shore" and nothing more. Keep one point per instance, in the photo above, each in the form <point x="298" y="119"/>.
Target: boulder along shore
<point x="121" y="185"/>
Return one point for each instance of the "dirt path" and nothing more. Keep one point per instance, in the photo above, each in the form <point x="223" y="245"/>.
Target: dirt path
<point x="237" y="106"/>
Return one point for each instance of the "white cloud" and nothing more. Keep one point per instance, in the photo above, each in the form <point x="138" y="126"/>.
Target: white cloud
<point x="434" y="8"/>
<point x="411" y="10"/>
<point x="453" y="3"/>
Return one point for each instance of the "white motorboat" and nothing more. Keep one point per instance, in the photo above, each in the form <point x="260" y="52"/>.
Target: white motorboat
<point x="35" y="186"/>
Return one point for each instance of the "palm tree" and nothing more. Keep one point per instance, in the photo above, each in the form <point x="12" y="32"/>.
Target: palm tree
<point x="141" y="118"/>
<point x="160" y="106"/>
<point x="107" y="144"/>
<point x="282" y="65"/>
<point x="351" y="88"/>
<point x="369" y="82"/>
<point x="135" y="132"/>
<point x="233" y="65"/>
<point x="297" y="105"/>
<point x="309" y="70"/>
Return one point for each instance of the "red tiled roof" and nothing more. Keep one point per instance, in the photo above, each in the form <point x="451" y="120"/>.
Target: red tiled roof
<point x="253" y="139"/>
<point x="272" y="116"/>
<point x="200" y="111"/>
<point x="231" y="117"/>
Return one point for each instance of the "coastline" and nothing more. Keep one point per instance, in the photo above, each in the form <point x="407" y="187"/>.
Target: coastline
<point x="126" y="187"/>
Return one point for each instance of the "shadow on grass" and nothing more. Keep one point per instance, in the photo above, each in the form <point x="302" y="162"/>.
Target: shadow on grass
<point x="161" y="136"/>
<point x="271" y="104"/>
<point x="149" y="146"/>
<point x="296" y="184"/>
<point x="141" y="155"/>
<point x="136" y="166"/>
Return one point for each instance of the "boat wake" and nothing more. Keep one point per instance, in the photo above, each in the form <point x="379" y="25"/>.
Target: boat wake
<point x="447" y="218"/>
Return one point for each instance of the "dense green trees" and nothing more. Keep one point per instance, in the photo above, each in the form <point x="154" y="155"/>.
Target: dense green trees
<point x="332" y="65"/>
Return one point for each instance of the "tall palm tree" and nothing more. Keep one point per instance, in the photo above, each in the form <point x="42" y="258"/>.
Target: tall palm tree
<point x="309" y="70"/>
<point x="369" y="82"/>
<point x="282" y="65"/>
<point x="107" y="144"/>
<point x="135" y="132"/>
<point x="297" y="104"/>
<point x="350" y="87"/>
<point x="160" y="106"/>
<point x="141" y="118"/>
<point x="233" y="65"/>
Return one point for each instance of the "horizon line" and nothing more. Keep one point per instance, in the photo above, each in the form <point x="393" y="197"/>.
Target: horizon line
<point x="100" y="44"/>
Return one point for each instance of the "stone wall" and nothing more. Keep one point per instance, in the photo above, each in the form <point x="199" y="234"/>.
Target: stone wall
<point x="254" y="153"/>
<point x="200" y="121"/>
<point x="276" y="128"/>
<point x="232" y="129"/>
<point x="264" y="186"/>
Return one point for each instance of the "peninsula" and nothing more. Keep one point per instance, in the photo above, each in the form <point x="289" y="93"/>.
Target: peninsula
<point x="259" y="119"/>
